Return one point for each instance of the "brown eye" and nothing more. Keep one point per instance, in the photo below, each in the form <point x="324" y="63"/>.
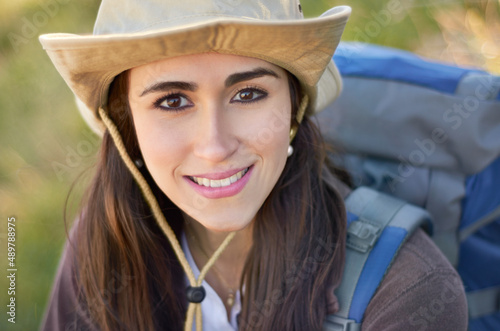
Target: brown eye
<point x="246" y="95"/>
<point x="174" y="102"/>
<point x="249" y="95"/>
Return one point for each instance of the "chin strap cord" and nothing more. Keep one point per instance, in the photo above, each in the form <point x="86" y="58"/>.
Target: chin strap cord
<point x="196" y="292"/>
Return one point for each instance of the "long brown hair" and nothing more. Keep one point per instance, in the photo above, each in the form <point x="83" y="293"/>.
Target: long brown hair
<point x="130" y="279"/>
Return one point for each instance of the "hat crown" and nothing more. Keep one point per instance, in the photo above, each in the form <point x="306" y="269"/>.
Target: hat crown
<point x="129" y="16"/>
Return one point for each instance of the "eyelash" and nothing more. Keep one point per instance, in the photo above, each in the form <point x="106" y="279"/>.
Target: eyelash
<point x="253" y="89"/>
<point x="158" y="103"/>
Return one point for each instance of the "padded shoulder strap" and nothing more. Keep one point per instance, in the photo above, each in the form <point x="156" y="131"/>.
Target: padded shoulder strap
<point x="378" y="225"/>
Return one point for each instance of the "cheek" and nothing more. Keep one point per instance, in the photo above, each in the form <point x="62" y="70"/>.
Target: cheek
<point x="271" y="133"/>
<point x="161" y="146"/>
<point x="269" y="140"/>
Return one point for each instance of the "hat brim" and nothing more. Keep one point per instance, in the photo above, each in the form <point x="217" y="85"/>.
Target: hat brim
<point x="89" y="63"/>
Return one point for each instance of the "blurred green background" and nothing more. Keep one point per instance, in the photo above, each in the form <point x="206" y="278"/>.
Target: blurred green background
<point x="45" y="145"/>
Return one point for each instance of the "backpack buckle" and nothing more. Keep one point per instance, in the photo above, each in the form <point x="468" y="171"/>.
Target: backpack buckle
<point x="337" y="323"/>
<point x="362" y="235"/>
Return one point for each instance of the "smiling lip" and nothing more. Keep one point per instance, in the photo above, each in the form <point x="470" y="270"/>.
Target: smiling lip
<point x="220" y="185"/>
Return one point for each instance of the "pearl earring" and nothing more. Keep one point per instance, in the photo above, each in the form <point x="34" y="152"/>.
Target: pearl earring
<point x="290" y="150"/>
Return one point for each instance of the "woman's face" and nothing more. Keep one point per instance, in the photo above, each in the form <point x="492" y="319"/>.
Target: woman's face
<point x="214" y="132"/>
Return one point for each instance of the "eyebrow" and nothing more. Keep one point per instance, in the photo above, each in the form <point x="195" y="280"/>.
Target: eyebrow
<point x="165" y="86"/>
<point x="230" y="81"/>
<point x="248" y="75"/>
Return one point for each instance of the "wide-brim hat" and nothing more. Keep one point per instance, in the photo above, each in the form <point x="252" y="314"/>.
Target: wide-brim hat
<point x="130" y="33"/>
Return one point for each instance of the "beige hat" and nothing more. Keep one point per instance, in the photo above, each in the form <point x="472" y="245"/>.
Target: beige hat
<point x="129" y="33"/>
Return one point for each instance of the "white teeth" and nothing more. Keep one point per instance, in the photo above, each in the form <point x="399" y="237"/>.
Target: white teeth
<point x="219" y="182"/>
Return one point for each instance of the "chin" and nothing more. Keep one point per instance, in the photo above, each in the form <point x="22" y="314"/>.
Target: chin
<point x="218" y="225"/>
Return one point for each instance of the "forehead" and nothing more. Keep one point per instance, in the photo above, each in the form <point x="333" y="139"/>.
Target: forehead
<point x="199" y="66"/>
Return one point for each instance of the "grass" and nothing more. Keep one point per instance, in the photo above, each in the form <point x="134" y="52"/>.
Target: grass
<point x="41" y="131"/>
<point x="39" y="125"/>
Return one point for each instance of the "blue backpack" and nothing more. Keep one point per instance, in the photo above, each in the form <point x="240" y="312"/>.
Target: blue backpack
<point x="428" y="134"/>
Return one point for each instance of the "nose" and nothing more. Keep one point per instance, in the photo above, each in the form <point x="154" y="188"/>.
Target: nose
<point x="216" y="140"/>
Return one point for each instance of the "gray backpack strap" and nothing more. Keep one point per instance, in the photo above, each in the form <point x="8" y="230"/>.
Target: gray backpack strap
<point x="378" y="225"/>
<point x="465" y="232"/>
<point x="483" y="302"/>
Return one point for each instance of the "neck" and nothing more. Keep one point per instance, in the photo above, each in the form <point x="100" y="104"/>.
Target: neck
<point x="208" y="241"/>
<point x="225" y="274"/>
<point x="204" y="242"/>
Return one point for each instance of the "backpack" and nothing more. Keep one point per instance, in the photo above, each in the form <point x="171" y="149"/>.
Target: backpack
<point x="429" y="134"/>
<point x="377" y="226"/>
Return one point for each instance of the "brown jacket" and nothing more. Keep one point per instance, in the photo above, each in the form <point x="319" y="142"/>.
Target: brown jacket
<point x="421" y="291"/>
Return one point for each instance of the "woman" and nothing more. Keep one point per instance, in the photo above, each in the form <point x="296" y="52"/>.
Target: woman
<point x="210" y="161"/>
